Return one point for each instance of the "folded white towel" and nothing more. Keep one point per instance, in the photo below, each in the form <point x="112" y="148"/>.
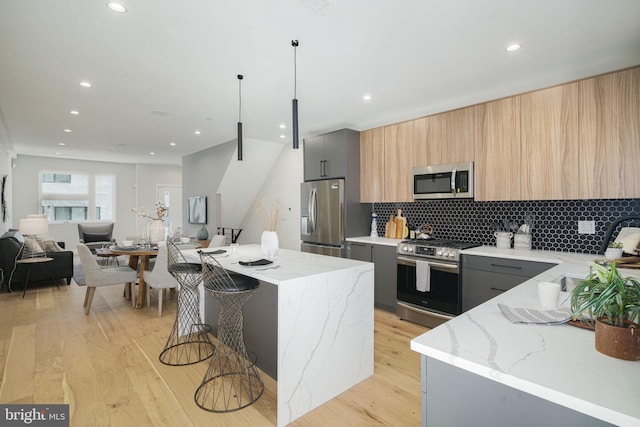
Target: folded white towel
<point x="423" y="276"/>
<point x="531" y="315"/>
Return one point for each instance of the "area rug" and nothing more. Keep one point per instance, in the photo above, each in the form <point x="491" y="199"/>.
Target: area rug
<point x="78" y="275"/>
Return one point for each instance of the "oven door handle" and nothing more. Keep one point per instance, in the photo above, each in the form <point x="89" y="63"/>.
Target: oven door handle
<point x="412" y="262"/>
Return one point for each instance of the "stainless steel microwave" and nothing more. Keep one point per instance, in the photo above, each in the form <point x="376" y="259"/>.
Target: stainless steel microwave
<point x="450" y="181"/>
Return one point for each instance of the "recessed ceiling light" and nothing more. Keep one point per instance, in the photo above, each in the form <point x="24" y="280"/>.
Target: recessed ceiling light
<point x="58" y="153"/>
<point x="173" y="144"/>
<point x="512" y="47"/>
<point x="85" y="84"/>
<point x="67" y="130"/>
<point x="116" y="7"/>
<point x="152" y="153"/>
<point x="366" y="97"/>
<point x="282" y="136"/>
<point x="283" y="126"/>
<point x="62" y="144"/>
<point x="197" y="132"/>
<point x="74" y="112"/>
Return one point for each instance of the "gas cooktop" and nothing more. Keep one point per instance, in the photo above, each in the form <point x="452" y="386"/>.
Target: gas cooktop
<point x="434" y="248"/>
<point x="454" y="244"/>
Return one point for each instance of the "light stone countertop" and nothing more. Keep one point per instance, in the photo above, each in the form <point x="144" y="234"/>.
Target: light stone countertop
<point x="384" y="241"/>
<point x="557" y="363"/>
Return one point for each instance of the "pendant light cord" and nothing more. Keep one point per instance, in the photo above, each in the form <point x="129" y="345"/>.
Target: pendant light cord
<point x="295" y="43"/>
<point x="240" y="97"/>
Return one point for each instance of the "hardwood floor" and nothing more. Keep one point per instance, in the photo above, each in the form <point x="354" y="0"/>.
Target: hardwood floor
<point x="105" y="366"/>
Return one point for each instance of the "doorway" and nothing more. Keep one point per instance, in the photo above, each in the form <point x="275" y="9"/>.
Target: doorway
<point x="171" y="196"/>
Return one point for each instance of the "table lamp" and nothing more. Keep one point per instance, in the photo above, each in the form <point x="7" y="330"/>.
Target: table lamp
<point x="31" y="227"/>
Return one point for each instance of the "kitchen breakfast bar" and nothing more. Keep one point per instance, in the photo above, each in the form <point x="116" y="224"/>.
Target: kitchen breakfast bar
<point x="310" y="324"/>
<point x="481" y="369"/>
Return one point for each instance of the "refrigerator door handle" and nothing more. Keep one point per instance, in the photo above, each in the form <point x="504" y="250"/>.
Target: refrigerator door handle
<point x="313" y="202"/>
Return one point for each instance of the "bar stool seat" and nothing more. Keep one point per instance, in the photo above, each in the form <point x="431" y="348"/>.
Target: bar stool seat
<point x="189" y="341"/>
<point x="232" y="380"/>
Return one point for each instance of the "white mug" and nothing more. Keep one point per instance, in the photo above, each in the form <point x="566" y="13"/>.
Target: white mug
<point x="548" y="293"/>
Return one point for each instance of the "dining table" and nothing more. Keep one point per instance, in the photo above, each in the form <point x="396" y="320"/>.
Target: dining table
<point x="139" y="256"/>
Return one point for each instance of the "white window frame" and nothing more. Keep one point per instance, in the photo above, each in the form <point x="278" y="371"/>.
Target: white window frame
<point x="90" y="196"/>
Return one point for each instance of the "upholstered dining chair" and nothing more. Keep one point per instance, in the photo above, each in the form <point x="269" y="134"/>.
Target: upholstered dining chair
<point x="159" y="278"/>
<point x="97" y="276"/>
<point x="217" y="241"/>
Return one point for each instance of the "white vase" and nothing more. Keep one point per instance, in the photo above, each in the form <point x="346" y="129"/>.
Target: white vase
<point x="613" y="253"/>
<point x="156" y="231"/>
<point x="270" y="244"/>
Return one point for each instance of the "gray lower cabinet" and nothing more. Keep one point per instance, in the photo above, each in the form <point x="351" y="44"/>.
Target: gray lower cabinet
<point x="454" y="397"/>
<point x="486" y="277"/>
<point x="384" y="259"/>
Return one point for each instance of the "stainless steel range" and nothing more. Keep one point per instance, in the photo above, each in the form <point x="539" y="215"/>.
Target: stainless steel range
<point x="429" y="285"/>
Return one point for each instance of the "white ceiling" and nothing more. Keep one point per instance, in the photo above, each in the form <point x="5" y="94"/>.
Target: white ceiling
<point x="167" y="68"/>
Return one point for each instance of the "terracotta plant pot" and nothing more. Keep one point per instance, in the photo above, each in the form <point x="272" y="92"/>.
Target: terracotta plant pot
<point x="618" y="342"/>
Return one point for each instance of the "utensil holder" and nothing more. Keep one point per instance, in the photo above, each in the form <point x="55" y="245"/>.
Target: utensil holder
<point x="503" y="239"/>
<point x="522" y="241"/>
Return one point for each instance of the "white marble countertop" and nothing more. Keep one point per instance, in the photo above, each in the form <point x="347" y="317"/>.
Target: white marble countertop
<point x="557" y="363"/>
<point x="289" y="265"/>
<point x="384" y="241"/>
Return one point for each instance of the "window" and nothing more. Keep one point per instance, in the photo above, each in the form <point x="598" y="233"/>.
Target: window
<point x="69" y="196"/>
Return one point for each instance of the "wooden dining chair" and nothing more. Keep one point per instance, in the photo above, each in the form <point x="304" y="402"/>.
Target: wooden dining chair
<point x="97" y="276"/>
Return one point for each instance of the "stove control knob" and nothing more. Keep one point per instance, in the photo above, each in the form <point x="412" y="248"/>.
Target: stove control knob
<point x="439" y="252"/>
<point x="410" y="248"/>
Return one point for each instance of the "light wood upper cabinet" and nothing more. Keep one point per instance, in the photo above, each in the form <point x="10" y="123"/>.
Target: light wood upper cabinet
<point x="610" y="135"/>
<point x="445" y="138"/>
<point x="497" y="151"/>
<point x="550" y="144"/>
<point x="427" y="133"/>
<point x="372" y="165"/>
<point x="459" y="131"/>
<point x="398" y="162"/>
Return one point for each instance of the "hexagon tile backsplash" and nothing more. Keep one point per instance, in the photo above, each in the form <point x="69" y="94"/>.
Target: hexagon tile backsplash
<point x="555" y="221"/>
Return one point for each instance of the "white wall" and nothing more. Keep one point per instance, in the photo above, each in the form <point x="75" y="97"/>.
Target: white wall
<point x="283" y="182"/>
<point x="5" y="169"/>
<point x="269" y="171"/>
<point x="134" y="183"/>
<point x="243" y="181"/>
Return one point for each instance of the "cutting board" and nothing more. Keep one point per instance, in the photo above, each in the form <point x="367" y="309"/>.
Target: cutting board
<point x="628" y="262"/>
<point x="401" y="224"/>
<point x="390" y="228"/>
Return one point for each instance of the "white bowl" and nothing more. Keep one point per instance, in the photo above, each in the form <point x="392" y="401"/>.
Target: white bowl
<point x="127" y="243"/>
<point x="185" y="239"/>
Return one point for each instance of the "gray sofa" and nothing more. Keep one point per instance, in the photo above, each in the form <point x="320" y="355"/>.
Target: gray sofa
<point x="11" y="245"/>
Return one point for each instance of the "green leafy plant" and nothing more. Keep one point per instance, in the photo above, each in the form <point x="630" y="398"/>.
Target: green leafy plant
<point x="615" y="245"/>
<point x="606" y="295"/>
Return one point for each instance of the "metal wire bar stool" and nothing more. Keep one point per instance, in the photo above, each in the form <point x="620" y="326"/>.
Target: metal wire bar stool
<point x="232" y="381"/>
<point x="188" y="342"/>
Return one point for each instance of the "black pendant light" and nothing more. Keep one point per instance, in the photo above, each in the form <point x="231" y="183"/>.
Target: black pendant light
<point x="240" y="77"/>
<point x="294" y="103"/>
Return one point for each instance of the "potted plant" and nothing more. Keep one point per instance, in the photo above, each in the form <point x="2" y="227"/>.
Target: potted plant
<point x="614" y="301"/>
<point x="614" y="250"/>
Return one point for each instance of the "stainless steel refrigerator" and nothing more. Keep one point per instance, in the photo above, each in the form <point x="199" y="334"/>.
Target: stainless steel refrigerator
<point x="328" y="217"/>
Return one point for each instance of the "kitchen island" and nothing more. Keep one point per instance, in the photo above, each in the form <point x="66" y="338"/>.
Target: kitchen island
<point x="481" y="369"/>
<point x="310" y="324"/>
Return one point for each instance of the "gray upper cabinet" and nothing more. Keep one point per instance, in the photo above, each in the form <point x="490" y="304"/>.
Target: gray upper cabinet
<point x="326" y="156"/>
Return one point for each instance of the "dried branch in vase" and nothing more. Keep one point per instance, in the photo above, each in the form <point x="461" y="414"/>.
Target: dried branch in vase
<point x="161" y="212"/>
<point x="269" y="220"/>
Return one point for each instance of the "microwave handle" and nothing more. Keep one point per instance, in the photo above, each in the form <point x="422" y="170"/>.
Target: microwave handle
<point x="453" y="181"/>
